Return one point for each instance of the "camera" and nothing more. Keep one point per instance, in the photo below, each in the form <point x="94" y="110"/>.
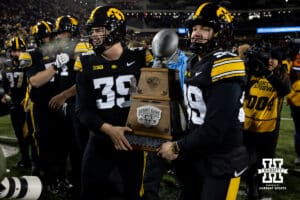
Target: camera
<point x="25" y="187"/>
<point x="256" y="59"/>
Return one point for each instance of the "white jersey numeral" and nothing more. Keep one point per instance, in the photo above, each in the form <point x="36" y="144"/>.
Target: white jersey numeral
<point x="110" y="96"/>
<point x="195" y="104"/>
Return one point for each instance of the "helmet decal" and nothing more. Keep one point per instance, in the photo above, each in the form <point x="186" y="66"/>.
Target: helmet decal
<point x="224" y="14"/>
<point x="57" y="23"/>
<point x="116" y="14"/>
<point x="16" y="43"/>
<point x="47" y="26"/>
<point x="91" y="18"/>
<point x="73" y="21"/>
<point x="34" y="29"/>
<point x="198" y="11"/>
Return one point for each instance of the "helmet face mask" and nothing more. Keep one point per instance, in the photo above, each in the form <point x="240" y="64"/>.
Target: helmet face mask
<point x="213" y="16"/>
<point x="110" y="18"/>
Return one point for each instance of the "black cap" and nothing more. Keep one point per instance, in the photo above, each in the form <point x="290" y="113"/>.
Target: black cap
<point x="277" y="54"/>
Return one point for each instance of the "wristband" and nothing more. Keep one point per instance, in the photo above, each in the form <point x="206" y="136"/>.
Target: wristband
<point x="175" y="148"/>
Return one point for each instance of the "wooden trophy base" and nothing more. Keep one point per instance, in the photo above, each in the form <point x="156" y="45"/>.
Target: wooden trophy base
<point x="150" y="111"/>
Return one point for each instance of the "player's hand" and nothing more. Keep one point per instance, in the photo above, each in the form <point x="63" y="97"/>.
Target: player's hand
<point x="57" y="101"/>
<point x="117" y="135"/>
<point x="166" y="151"/>
<point x="61" y="59"/>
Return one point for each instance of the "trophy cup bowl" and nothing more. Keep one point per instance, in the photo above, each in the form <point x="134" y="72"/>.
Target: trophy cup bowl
<point x="164" y="45"/>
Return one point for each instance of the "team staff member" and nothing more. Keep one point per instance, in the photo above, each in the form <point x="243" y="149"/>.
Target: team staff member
<point x="103" y="87"/>
<point x="265" y="93"/>
<point x="211" y="154"/>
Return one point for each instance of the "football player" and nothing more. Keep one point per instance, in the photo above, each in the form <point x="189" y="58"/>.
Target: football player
<point x="103" y="87"/>
<point x="42" y="73"/>
<point x="15" y="78"/>
<point x="211" y="157"/>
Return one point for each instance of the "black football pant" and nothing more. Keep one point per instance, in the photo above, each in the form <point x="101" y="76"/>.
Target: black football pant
<point x="100" y="159"/>
<point x="52" y="143"/>
<point x="72" y="147"/>
<point x="32" y="136"/>
<point x="18" y="121"/>
<point x="259" y="146"/>
<point x="198" y="183"/>
<point x="155" y="169"/>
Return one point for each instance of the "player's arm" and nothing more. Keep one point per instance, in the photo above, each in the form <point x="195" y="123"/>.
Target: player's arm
<point x="38" y="75"/>
<point x="282" y="85"/>
<point x="42" y="77"/>
<point x="58" y="100"/>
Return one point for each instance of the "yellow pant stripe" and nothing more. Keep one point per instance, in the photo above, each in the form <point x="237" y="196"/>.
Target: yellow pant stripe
<point x="233" y="188"/>
<point x="34" y="130"/>
<point x="144" y="169"/>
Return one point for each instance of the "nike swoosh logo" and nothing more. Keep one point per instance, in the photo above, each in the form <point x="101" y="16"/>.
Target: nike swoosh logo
<point x="128" y="64"/>
<point x="237" y="174"/>
<point x="198" y="73"/>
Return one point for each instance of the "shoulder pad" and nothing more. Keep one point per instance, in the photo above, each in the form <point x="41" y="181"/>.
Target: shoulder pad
<point x="137" y="48"/>
<point x="227" y="65"/>
<point x="78" y="64"/>
<point x="30" y="50"/>
<point x="25" y="59"/>
<point x="149" y="57"/>
<point x="88" y="53"/>
<point x="83" y="47"/>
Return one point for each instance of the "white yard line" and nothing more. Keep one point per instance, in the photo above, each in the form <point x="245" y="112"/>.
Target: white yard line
<point x="9" y="150"/>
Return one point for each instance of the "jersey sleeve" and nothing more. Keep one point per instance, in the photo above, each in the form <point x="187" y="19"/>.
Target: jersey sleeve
<point x="228" y="68"/>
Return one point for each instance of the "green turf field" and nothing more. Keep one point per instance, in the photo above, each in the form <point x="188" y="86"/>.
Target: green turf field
<point x="169" y="188"/>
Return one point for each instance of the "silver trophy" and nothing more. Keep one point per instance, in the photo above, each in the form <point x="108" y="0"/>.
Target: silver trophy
<point x="164" y="47"/>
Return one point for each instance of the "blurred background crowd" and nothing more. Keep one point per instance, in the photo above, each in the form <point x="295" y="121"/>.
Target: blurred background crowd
<point x="146" y="17"/>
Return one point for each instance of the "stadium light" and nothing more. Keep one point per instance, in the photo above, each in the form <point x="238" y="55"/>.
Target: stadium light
<point x="283" y="29"/>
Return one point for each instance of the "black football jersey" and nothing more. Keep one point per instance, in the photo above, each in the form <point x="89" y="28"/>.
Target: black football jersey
<point x="38" y="62"/>
<point x="66" y="75"/>
<point x="15" y="82"/>
<point x="213" y="91"/>
<point x="103" y="87"/>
